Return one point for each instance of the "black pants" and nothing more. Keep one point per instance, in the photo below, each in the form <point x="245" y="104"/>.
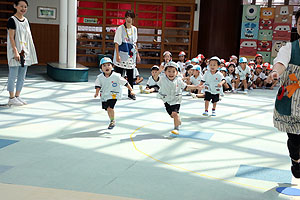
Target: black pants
<point x="293" y="144"/>
<point x="129" y="74"/>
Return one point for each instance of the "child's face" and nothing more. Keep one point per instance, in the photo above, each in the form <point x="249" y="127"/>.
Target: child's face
<point x="21" y="7"/>
<point x="258" y="60"/>
<point x="196" y="73"/>
<point x="154" y="72"/>
<point x="268" y="71"/>
<point x="167" y="58"/>
<point x="252" y="65"/>
<point x="190" y="71"/>
<point x="181" y="58"/>
<point x="222" y="65"/>
<point x="129" y="20"/>
<point x="193" y="63"/>
<point x="243" y="65"/>
<point x="231" y="69"/>
<point x="224" y="73"/>
<point x="234" y="60"/>
<point x="171" y="73"/>
<point x="213" y="65"/>
<point x="106" y="68"/>
<point x="258" y="70"/>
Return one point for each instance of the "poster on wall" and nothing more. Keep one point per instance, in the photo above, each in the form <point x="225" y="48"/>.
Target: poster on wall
<point x="266" y="56"/>
<point x="282" y="31"/>
<point x="265" y="35"/>
<point x="263" y="45"/>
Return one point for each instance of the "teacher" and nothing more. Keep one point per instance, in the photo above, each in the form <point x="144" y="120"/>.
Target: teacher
<point x="287" y="106"/>
<point x="20" y="51"/>
<point x="126" y="54"/>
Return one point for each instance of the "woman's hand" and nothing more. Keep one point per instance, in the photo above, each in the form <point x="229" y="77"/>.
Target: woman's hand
<point x="132" y="92"/>
<point x="118" y="58"/>
<point x="138" y="58"/>
<point x="16" y="56"/>
<point x="274" y="75"/>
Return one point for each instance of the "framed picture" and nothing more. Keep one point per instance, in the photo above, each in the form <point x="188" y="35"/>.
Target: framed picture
<point x="46" y="12"/>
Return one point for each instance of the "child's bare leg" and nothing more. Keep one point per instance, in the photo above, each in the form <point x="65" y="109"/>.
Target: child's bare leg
<point x="237" y="83"/>
<point x="245" y="84"/>
<point x="111" y="113"/>
<point x="214" y="106"/>
<point x="176" y="118"/>
<point x="206" y="105"/>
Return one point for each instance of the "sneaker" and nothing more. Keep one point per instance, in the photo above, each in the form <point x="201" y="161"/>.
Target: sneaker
<point x="14" y="102"/>
<point x="141" y="89"/>
<point x="194" y="95"/>
<point x="175" y="132"/>
<point x="213" y="113"/>
<point x="251" y="88"/>
<point x="21" y="100"/>
<point x="205" y="113"/>
<point x="245" y="92"/>
<point x="234" y="91"/>
<point x="295" y="169"/>
<point x="112" y="124"/>
<point x="132" y="97"/>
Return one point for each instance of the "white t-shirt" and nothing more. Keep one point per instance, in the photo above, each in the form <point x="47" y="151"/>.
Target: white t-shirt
<point x="284" y="55"/>
<point x="262" y="76"/>
<point x="211" y="82"/>
<point x="135" y="72"/>
<point x="111" y="87"/>
<point x="170" y="91"/>
<point x="242" y="73"/>
<point x="182" y="67"/>
<point x="196" y="81"/>
<point x="228" y="80"/>
<point x="151" y="81"/>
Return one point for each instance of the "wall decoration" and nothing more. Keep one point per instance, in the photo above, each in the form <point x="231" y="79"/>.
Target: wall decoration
<point x="264" y="46"/>
<point x="267" y="13"/>
<point x="266" y="24"/>
<point x="282" y="31"/>
<point x="46" y="12"/>
<point x="251" y="13"/>
<point x="283" y="14"/>
<point x="265" y="35"/>
<point x="248" y="47"/>
<point x="276" y="45"/>
<point x="249" y="30"/>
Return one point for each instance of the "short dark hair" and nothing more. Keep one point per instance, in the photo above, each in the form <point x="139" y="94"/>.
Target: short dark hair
<point x="16" y="3"/>
<point x="297" y="15"/>
<point x="130" y="13"/>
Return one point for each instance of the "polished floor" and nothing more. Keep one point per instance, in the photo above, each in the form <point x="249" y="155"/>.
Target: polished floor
<point x="58" y="146"/>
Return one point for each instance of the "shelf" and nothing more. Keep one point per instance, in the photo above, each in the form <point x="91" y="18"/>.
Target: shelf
<point x="83" y="47"/>
<point x="87" y="8"/>
<point x="87" y="55"/>
<point x="90" y="16"/>
<point x="89" y="40"/>
<point x="153" y="58"/>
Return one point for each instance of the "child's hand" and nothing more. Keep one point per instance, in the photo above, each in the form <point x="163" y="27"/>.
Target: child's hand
<point x="96" y="94"/>
<point x="220" y="84"/>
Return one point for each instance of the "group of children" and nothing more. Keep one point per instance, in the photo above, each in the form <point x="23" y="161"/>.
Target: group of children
<point x="202" y="78"/>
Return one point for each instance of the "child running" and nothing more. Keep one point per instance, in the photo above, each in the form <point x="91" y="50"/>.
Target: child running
<point x="212" y="80"/>
<point x="109" y="84"/>
<point x="170" y="91"/>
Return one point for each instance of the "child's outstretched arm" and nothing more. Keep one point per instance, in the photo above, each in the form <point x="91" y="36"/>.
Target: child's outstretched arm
<point x="221" y="83"/>
<point x="193" y="87"/>
<point x="97" y="91"/>
<point x="130" y="89"/>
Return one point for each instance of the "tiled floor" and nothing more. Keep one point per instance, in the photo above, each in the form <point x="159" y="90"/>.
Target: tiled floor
<point x="65" y="149"/>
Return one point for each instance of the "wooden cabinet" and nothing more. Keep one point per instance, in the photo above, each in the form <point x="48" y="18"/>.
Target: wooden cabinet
<point x="162" y="25"/>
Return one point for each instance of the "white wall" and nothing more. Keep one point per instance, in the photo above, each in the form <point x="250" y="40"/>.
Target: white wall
<point x="31" y="14"/>
<point x="196" y="16"/>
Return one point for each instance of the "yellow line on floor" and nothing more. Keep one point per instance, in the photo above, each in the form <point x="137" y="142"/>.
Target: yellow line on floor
<point x="181" y="168"/>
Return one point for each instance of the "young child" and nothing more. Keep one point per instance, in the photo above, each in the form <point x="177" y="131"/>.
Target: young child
<point x="251" y="64"/>
<point x="152" y="81"/>
<point x="259" y="77"/>
<point x="212" y="81"/>
<point x="196" y="80"/>
<point x="188" y="74"/>
<point x="231" y="73"/>
<point x="258" y="59"/>
<point x="181" y="62"/>
<point x="109" y="84"/>
<point x="195" y="61"/>
<point x="170" y="91"/>
<point x="233" y="59"/>
<point x="167" y="58"/>
<point x="242" y="71"/>
<point x="269" y="81"/>
<point x="227" y="86"/>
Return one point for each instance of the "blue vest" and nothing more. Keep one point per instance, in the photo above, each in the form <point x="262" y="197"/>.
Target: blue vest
<point x="295" y="55"/>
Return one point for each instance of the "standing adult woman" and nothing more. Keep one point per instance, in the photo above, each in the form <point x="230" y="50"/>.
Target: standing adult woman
<point x="20" y="51"/>
<point x="126" y="54"/>
<point x="287" y="106"/>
